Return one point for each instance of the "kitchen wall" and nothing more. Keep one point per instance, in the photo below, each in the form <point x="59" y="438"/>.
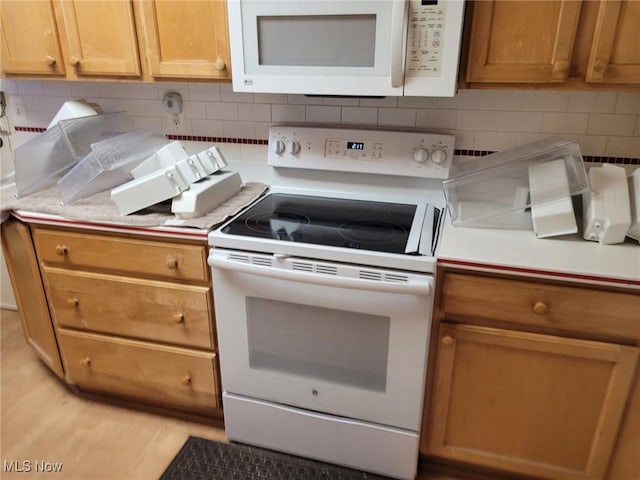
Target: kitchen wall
<point x="605" y="124"/>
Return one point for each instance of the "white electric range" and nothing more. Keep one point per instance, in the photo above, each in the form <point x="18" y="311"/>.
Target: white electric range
<point x="323" y="294"/>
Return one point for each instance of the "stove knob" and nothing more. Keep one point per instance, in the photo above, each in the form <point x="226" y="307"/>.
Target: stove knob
<point x="438" y="156"/>
<point x="278" y="147"/>
<point x="294" y="148"/>
<point x="420" y="155"/>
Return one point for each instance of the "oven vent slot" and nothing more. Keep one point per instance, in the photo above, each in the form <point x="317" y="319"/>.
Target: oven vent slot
<point x="302" y="266"/>
<point x="236" y="257"/>
<point x="264" y="261"/>
<point x="383" y="277"/>
<point x="326" y="269"/>
<point x="391" y="277"/>
<point x="368" y="275"/>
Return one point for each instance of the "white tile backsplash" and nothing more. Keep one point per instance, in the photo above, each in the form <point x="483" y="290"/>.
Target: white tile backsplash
<point x="593" y="102"/>
<point x="359" y="116"/>
<point x="477" y="120"/>
<point x="603" y="123"/>
<point x="520" y="121"/>
<point x="323" y="114"/>
<point x="397" y="117"/>
<point x="222" y="111"/>
<point x="559" y="123"/>
<point x="288" y="113"/>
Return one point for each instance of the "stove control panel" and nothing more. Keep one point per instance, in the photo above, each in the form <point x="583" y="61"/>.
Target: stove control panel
<point x="414" y="154"/>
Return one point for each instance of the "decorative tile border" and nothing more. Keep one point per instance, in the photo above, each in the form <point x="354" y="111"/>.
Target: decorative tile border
<point x="263" y="141"/>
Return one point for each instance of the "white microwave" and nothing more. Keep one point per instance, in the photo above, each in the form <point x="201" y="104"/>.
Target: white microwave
<point x="348" y="47"/>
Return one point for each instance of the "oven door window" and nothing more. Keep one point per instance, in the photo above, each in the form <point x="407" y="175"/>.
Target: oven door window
<point x="332" y="345"/>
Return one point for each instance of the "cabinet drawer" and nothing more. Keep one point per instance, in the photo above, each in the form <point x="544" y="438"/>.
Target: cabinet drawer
<point x="534" y="303"/>
<point x="149" y="309"/>
<point x="168" y="376"/>
<point x="137" y="256"/>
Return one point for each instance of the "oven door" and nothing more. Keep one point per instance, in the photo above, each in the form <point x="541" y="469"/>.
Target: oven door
<point x="321" y="47"/>
<point x="339" y="339"/>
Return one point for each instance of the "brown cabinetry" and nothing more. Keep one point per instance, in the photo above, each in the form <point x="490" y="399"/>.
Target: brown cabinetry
<point x="186" y="39"/>
<point x="533" y="378"/>
<point x="124" y="315"/>
<point x="117" y="39"/>
<point x="69" y="39"/>
<point x="558" y="42"/>
<point x="22" y="265"/>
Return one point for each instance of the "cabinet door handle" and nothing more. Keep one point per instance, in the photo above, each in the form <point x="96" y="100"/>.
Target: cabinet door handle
<point x="74" y="61"/>
<point x="447" y="340"/>
<point x="62" y="250"/>
<point x="73" y="302"/>
<point x="49" y="60"/>
<point x="186" y="380"/>
<point x="85" y="362"/>
<point x="171" y="262"/>
<point x="600" y="66"/>
<point x="219" y="64"/>
<point x="540" y="308"/>
<point x="179" y="317"/>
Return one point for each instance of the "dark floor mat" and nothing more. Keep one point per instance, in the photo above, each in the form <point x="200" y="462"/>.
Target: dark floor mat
<point x="201" y="459"/>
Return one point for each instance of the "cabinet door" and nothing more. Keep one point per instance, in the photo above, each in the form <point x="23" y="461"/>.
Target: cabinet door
<point x="522" y="41"/>
<point x="30" y="38"/>
<point x="526" y="403"/>
<point x="29" y="291"/>
<point x="615" y="51"/>
<point x="186" y="39"/>
<point x="99" y="38"/>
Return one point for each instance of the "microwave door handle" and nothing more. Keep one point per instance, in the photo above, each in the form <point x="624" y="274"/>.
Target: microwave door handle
<point x="416" y="287"/>
<point x="398" y="15"/>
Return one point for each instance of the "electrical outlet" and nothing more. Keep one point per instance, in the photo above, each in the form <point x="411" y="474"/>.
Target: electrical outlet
<point x="175" y="123"/>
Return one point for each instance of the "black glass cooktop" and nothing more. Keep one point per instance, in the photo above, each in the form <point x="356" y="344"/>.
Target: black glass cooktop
<point x="377" y="226"/>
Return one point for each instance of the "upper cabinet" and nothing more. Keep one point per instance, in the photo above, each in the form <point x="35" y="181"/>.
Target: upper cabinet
<point x="559" y="42"/>
<point x="98" y="38"/>
<point x="615" y="51"/>
<point x="185" y="39"/>
<point x="69" y="39"/>
<point x="30" y="42"/>
<point x="117" y="39"/>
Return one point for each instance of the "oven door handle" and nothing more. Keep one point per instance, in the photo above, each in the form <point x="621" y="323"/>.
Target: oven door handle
<point x="411" y="286"/>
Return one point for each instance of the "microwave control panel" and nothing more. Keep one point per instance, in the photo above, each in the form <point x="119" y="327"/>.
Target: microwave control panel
<point x="414" y="154"/>
<point x="425" y="38"/>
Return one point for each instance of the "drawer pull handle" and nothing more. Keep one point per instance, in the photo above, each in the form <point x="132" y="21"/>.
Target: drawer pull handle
<point x="179" y="317"/>
<point x="540" y="308"/>
<point x="62" y="250"/>
<point x="85" y="362"/>
<point x="186" y="380"/>
<point x="447" y="340"/>
<point x="73" y="302"/>
<point x="171" y="262"/>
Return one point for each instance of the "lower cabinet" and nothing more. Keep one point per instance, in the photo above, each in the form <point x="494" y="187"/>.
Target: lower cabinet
<point x="175" y="377"/>
<point x="528" y="398"/>
<point x="22" y="265"/>
<point x="119" y="314"/>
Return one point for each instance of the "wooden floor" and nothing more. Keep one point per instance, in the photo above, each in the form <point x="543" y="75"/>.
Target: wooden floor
<point x="42" y="421"/>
